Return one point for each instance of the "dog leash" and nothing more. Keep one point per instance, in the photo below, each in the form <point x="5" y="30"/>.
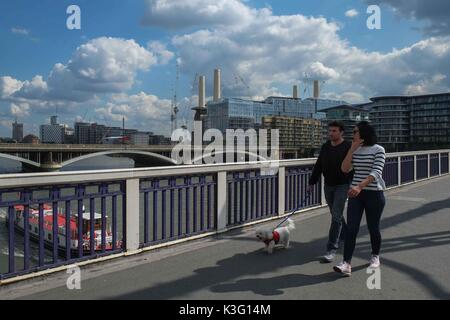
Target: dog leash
<point x="308" y="195"/>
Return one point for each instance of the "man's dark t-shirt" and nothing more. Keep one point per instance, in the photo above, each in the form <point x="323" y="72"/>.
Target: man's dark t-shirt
<point x="329" y="164"/>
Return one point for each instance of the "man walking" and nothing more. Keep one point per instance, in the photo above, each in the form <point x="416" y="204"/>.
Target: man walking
<point x="337" y="184"/>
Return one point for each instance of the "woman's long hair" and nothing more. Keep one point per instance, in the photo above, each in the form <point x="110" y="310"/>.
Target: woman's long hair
<point x="367" y="133"/>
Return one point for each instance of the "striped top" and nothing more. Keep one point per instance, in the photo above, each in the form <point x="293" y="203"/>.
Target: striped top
<point x="369" y="161"/>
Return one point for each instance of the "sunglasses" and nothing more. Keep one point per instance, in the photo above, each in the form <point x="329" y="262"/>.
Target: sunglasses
<point x="355" y="131"/>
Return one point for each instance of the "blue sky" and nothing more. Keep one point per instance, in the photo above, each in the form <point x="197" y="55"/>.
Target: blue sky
<point x="97" y="78"/>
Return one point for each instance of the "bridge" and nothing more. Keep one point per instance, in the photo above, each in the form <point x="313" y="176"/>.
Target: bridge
<point x="187" y="232"/>
<point x="53" y="157"/>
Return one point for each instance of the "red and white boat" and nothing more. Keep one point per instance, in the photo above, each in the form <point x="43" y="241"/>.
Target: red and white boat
<point x="33" y="219"/>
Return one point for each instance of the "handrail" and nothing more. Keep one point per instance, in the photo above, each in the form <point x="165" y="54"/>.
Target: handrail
<point x="35" y="179"/>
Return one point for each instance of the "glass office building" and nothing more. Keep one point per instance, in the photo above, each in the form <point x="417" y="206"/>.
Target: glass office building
<point x="235" y="113"/>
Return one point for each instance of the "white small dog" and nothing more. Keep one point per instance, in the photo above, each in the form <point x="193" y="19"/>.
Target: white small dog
<point x="279" y="236"/>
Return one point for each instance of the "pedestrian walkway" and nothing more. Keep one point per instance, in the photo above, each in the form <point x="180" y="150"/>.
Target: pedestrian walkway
<point x="415" y="261"/>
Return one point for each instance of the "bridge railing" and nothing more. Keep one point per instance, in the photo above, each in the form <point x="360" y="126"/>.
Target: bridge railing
<point x="133" y="210"/>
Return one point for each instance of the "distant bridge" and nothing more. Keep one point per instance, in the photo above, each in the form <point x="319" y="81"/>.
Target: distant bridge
<point x="53" y="157"/>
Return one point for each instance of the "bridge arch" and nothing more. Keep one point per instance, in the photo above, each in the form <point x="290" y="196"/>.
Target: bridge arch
<point x="137" y="155"/>
<point x="21" y="160"/>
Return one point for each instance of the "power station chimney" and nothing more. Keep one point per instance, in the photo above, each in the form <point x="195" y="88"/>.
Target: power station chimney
<point x="217" y="86"/>
<point x="316" y="89"/>
<point x="201" y="92"/>
<point x="295" y="92"/>
<point x="200" y="109"/>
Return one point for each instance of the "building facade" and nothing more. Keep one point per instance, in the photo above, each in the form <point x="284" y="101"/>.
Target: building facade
<point x="412" y="122"/>
<point x="235" y="113"/>
<point x="298" y="136"/>
<point x="139" y="138"/>
<point x="52" y="133"/>
<point x="82" y="132"/>
<point x="17" y="131"/>
<point x="349" y="115"/>
<point x="94" y="133"/>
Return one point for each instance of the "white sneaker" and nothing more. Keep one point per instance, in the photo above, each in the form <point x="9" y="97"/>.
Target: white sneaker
<point x="329" y="256"/>
<point x="343" y="268"/>
<point x="374" y="261"/>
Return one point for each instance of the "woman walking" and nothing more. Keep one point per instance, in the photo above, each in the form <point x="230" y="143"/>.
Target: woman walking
<point x="366" y="194"/>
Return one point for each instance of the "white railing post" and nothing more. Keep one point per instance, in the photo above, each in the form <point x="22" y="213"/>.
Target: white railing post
<point x="281" y="190"/>
<point x="222" y="210"/>
<point x="415" y="168"/>
<point x="439" y="157"/>
<point x="429" y="165"/>
<point x="399" y="170"/>
<point x="132" y="215"/>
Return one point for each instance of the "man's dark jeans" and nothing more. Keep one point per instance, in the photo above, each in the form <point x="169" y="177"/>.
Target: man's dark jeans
<point x="336" y="196"/>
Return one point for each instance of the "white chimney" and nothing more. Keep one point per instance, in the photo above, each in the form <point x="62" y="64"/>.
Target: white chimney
<point x="201" y="92"/>
<point x="316" y="89"/>
<point x="295" y="92"/>
<point x="217" y="86"/>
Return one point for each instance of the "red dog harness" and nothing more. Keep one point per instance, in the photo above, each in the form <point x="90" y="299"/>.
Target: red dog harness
<point x="275" y="238"/>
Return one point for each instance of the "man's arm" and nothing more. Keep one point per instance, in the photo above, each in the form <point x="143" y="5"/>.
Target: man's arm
<point x="317" y="171"/>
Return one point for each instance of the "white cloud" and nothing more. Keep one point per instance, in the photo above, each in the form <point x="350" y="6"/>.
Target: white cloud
<point x="34" y="89"/>
<point x="21" y="31"/>
<point x="97" y="69"/>
<point x="102" y="65"/>
<point x="20" y="109"/>
<point x="8" y="86"/>
<point x="163" y="55"/>
<point x="318" y="71"/>
<point x="426" y="86"/>
<point x="141" y="110"/>
<point x="175" y="14"/>
<point x="271" y="51"/>
<point x="351" y="13"/>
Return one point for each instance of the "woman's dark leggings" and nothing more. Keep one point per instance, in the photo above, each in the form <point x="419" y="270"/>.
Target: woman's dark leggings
<point x="372" y="202"/>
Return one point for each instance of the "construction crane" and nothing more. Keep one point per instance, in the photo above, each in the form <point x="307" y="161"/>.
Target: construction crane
<point x="238" y="78"/>
<point x="309" y="81"/>
<point x="174" y="108"/>
<point x="185" y="112"/>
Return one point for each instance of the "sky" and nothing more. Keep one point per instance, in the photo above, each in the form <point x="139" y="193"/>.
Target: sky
<point x="123" y="61"/>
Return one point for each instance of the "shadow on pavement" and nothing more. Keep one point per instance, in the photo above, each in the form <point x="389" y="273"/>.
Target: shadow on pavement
<point x="257" y="262"/>
<point x="274" y="286"/>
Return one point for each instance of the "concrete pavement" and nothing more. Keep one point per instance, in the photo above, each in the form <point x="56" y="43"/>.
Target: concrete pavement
<point x="415" y="261"/>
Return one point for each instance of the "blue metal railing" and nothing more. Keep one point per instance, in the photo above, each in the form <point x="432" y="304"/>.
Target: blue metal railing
<point x="56" y="223"/>
<point x="407" y="169"/>
<point x="422" y="166"/>
<point x="434" y="164"/>
<point x="444" y="163"/>
<point x="176" y="207"/>
<point x="251" y="196"/>
<point x="390" y="172"/>
<point x="295" y="186"/>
